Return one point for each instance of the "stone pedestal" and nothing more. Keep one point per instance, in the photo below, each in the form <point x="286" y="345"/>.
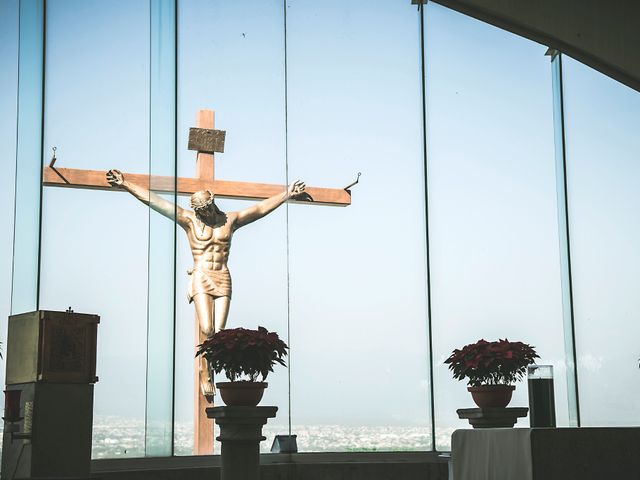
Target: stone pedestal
<point x="492" y="417"/>
<point x="240" y="435"/>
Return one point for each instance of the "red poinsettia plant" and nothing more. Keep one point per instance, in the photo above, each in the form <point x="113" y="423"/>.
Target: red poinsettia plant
<point x="491" y="363"/>
<point x="243" y="352"/>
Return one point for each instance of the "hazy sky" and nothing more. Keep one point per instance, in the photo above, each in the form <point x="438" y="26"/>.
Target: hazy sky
<point x="355" y="298"/>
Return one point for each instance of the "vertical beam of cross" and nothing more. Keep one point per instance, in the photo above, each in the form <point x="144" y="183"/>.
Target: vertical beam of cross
<point x="202" y="426"/>
<point x="205" y="169"/>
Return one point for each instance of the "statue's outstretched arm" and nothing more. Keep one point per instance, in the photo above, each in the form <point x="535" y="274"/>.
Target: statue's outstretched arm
<point x="267" y="206"/>
<point x="159" y="204"/>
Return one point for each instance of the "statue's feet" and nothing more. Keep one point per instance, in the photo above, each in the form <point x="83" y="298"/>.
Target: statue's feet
<point x="207" y="386"/>
<point x="208" y="391"/>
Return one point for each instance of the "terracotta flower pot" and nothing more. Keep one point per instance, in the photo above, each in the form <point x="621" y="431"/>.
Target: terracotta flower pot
<point x="488" y="396"/>
<point x="241" y="394"/>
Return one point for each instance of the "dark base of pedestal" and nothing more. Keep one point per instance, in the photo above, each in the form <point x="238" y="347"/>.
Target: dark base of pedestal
<point x="240" y="435"/>
<point x="59" y="445"/>
<point x="492" y="417"/>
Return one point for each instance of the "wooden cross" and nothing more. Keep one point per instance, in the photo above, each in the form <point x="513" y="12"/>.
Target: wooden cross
<point x="205" y="140"/>
<point x="96" y="179"/>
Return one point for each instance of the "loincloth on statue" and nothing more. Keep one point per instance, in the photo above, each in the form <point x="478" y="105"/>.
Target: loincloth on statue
<point x="216" y="283"/>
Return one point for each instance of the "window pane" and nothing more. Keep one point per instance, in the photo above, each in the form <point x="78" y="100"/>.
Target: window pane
<point x="493" y="215"/>
<point x="162" y="161"/>
<point x="24" y="292"/>
<point x="359" y="367"/>
<point x="94" y="255"/>
<point x="231" y="58"/>
<point x="8" y="111"/>
<point x="602" y="118"/>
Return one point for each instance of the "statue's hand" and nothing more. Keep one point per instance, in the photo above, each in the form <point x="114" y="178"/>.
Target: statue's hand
<point x="115" y="178"/>
<point x="296" y="189"/>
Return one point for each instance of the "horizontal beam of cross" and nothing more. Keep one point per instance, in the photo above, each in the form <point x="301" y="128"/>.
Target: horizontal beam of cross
<point x="96" y="179"/>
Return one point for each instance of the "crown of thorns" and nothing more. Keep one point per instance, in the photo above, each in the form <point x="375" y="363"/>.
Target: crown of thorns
<point x="198" y="204"/>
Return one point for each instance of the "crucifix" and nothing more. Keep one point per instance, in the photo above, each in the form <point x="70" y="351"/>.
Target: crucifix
<point x="208" y="229"/>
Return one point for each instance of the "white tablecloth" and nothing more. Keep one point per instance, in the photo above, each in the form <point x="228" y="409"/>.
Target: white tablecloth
<point x="546" y="453"/>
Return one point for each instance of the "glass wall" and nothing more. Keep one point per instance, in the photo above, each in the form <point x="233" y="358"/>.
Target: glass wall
<point x="95" y="243"/>
<point x="492" y="202"/>
<point x="321" y="91"/>
<point x="602" y="118"/>
<point x="359" y="341"/>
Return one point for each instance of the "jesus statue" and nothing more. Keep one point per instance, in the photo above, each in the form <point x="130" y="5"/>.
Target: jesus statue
<point x="209" y="231"/>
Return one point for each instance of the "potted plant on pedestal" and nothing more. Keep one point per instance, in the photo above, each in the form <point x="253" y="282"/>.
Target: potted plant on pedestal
<point x="244" y="355"/>
<point x="491" y="369"/>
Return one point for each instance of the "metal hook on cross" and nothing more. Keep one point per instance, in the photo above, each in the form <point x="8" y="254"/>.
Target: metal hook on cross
<point x="348" y="187"/>
<point x="53" y="157"/>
